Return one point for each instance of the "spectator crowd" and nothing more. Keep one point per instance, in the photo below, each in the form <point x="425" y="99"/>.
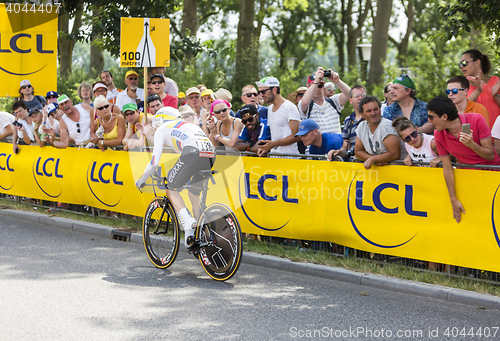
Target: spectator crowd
<point x="461" y="125"/>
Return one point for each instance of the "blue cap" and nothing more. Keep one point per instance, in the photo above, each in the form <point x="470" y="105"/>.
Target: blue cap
<point x="306" y="126"/>
<point x="52" y="93"/>
<point x="52" y="107"/>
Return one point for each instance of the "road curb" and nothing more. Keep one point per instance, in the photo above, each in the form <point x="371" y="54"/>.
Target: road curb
<point x="273" y="262"/>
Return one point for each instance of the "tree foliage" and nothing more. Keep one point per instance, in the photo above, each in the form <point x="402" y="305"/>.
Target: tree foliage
<point x="462" y="16"/>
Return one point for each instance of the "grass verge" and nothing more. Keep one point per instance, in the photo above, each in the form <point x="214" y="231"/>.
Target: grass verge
<point x="296" y="255"/>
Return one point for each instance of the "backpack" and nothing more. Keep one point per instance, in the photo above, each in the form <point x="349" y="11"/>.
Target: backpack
<point x="329" y="100"/>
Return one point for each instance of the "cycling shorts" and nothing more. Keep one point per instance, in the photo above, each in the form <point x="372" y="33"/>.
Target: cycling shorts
<point x="187" y="168"/>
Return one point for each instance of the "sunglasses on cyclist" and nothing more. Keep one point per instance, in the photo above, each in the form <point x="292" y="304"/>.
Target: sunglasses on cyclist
<point x="453" y="91"/>
<point x="413" y="135"/>
<point x="252" y="94"/>
<point x="247" y="120"/>
<point x="103" y="107"/>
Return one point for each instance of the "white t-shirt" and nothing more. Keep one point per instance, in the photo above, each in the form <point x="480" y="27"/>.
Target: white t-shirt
<point x="495" y="130"/>
<point x="425" y="152"/>
<point x="6" y="119"/>
<point x="325" y="115"/>
<point x="29" y="128"/>
<point x="278" y="124"/>
<point x="112" y="94"/>
<point x="122" y="98"/>
<point x="83" y="125"/>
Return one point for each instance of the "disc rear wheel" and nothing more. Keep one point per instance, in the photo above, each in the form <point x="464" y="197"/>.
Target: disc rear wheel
<point x="219" y="225"/>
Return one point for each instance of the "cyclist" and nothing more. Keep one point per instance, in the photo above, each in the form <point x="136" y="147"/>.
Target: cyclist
<point x="197" y="153"/>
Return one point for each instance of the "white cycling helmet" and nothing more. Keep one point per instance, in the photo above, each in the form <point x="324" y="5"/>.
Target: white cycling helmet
<point x="165" y="114"/>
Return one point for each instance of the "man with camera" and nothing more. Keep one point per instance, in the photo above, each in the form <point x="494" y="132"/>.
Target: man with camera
<point x="351" y="122"/>
<point x="324" y="110"/>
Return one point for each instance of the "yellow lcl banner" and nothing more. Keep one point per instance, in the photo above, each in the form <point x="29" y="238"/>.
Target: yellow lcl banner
<point x="28" y="47"/>
<point x="395" y="210"/>
<point x="144" y="42"/>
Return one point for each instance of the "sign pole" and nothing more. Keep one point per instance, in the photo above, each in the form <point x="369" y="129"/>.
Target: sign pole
<point x="145" y="117"/>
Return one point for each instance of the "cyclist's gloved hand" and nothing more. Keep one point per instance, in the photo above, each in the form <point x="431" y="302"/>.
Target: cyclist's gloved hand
<point x="139" y="184"/>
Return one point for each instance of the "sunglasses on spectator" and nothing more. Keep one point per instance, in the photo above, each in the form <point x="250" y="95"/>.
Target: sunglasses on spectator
<point x="186" y="116"/>
<point x="252" y="94"/>
<point x="51" y="97"/>
<point x="463" y="63"/>
<point x="219" y="111"/>
<point x="26" y="87"/>
<point x="300" y="94"/>
<point x="103" y="107"/>
<point x="132" y="78"/>
<point x="262" y="92"/>
<point x="194" y="97"/>
<point x="413" y="135"/>
<point x="453" y="91"/>
<point x="128" y="113"/>
<point x="78" y="128"/>
<point x="157" y="82"/>
<point x="358" y="96"/>
<point x="249" y="119"/>
<point x="152" y="98"/>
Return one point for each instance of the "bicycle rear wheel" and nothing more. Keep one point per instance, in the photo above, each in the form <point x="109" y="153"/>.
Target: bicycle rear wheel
<point x="161" y="233"/>
<point x="218" y="223"/>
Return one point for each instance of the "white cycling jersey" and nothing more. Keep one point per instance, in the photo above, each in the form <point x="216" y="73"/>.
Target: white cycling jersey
<point x="178" y="134"/>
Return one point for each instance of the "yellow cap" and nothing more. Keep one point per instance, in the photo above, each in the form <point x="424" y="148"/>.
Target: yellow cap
<point x="206" y="92"/>
<point x="181" y="95"/>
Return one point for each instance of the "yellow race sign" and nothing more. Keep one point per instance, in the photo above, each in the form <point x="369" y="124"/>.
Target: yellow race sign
<point x="394" y="210"/>
<point x="28" y="47"/>
<point x="144" y="42"/>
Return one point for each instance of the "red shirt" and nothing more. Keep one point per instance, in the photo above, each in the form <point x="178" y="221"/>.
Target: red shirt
<point x="170" y="101"/>
<point x="486" y="99"/>
<point x="448" y="144"/>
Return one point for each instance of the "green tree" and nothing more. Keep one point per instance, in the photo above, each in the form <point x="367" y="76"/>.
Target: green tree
<point x="462" y="16"/>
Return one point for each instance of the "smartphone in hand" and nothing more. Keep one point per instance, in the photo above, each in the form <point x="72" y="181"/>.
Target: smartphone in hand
<point x="466" y="128"/>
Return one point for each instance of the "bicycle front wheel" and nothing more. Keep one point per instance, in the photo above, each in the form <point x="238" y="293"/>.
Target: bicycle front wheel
<point x="221" y="259"/>
<point x="161" y="233"/>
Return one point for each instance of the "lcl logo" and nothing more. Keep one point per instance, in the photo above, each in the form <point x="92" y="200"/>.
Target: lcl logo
<point x="378" y="205"/>
<point x="14" y="45"/>
<point x="5" y="165"/>
<point x="281" y="194"/>
<point x="44" y="173"/>
<point x="7" y="172"/>
<point x="102" y="179"/>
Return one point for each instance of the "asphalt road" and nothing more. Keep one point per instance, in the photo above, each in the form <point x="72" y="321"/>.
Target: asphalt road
<point x="64" y="285"/>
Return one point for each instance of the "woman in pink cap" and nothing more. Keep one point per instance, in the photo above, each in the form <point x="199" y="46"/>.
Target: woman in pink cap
<point x="223" y="131"/>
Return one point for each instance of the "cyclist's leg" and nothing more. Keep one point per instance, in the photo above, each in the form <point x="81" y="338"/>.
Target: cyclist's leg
<point x="195" y="201"/>
<point x="177" y="177"/>
<point x="197" y="181"/>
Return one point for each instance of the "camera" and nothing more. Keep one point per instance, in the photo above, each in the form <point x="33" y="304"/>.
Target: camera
<point x="350" y="152"/>
<point x="328" y="73"/>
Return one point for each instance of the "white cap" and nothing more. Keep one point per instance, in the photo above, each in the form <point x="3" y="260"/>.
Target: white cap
<point x="268" y="81"/>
